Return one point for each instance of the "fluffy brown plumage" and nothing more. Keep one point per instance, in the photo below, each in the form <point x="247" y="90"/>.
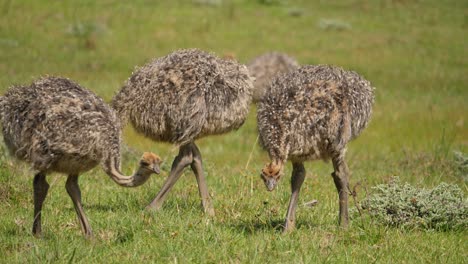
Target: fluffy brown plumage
<point x="57" y="126"/>
<point x="186" y="95"/>
<point x="183" y="96"/>
<point x="308" y="114"/>
<point x="265" y="67"/>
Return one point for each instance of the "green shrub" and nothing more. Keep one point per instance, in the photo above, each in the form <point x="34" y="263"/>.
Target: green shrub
<point x="402" y="205"/>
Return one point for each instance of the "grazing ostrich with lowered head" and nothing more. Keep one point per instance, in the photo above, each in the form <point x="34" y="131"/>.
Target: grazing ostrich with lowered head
<point x="58" y="126"/>
<point x="265" y="67"/>
<point x="308" y="114"/>
<point x="181" y="97"/>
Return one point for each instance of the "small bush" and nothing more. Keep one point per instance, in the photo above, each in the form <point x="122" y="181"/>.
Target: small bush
<point x="402" y="205"/>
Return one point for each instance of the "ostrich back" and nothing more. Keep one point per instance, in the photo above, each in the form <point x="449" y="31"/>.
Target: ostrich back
<point x="56" y="125"/>
<point x="265" y="67"/>
<point x="186" y="95"/>
<point x="313" y="112"/>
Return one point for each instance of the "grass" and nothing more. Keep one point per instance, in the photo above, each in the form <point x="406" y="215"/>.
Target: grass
<point x="413" y="52"/>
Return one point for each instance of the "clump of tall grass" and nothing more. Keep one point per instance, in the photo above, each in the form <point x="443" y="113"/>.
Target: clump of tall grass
<point x="333" y="24"/>
<point x="208" y="2"/>
<point x="86" y="33"/>
<point x="403" y="205"/>
<point x="270" y="2"/>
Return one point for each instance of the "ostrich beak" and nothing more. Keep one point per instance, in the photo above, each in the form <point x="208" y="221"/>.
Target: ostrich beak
<point x="270" y="184"/>
<point x="156" y="169"/>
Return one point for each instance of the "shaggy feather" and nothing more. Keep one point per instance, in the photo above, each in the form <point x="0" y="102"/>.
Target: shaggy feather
<point x="55" y="124"/>
<point x="313" y="112"/>
<point x="185" y="95"/>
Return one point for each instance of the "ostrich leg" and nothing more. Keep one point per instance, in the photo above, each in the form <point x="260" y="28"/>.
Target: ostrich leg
<point x="74" y="191"/>
<point x="340" y="177"/>
<point x="298" y="176"/>
<point x="40" y="192"/>
<point x="182" y="160"/>
<point x="202" y="187"/>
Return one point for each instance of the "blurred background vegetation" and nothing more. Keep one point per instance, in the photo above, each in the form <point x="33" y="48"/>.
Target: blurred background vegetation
<point x="414" y="52"/>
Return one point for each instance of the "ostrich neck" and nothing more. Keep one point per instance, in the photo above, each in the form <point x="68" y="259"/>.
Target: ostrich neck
<point x="111" y="167"/>
<point x="279" y="153"/>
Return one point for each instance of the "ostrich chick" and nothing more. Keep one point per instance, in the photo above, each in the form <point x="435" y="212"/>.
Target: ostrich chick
<point x="308" y="114"/>
<point x="58" y="126"/>
<point x="265" y="67"/>
<point x="181" y="97"/>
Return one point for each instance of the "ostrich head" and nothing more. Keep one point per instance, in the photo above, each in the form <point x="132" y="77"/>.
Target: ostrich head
<point x="150" y="161"/>
<point x="271" y="174"/>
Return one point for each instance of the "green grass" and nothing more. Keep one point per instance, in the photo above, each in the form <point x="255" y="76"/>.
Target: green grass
<point x="414" y="52"/>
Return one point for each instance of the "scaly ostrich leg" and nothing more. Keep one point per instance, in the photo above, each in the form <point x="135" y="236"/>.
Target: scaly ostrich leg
<point x="298" y="176"/>
<point x="40" y="192"/>
<point x="74" y="191"/>
<point x="197" y="168"/>
<point x="340" y="177"/>
<point x="182" y="160"/>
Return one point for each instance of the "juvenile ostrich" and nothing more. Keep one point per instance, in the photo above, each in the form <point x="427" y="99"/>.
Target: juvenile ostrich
<point x="309" y="114"/>
<point x="58" y="126"/>
<point x="181" y="97"/>
<point x="265" y="67"/>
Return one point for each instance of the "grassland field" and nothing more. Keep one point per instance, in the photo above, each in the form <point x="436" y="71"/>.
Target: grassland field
<point x="413" y="52"/>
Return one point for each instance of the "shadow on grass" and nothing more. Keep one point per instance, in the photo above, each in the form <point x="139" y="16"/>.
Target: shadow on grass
<point x="116" y="206"/>
<point x="102" y="207"/>
<point x="253" y="226"/>
<point x="186" y="206"/>
<point x="175" y="205"/>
